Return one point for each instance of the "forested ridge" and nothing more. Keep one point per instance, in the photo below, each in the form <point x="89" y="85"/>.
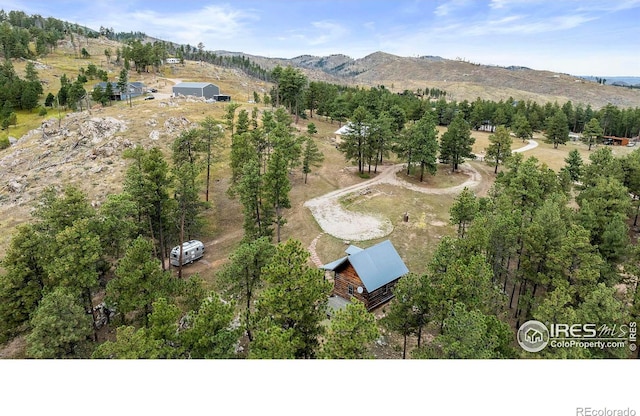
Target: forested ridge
<point x="545" y="245"/>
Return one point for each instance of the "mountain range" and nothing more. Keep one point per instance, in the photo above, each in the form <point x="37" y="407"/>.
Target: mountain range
<point x="463" y="80"/>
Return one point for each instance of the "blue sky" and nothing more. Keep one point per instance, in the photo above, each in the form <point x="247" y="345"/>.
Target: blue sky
<point x="580" y="37"/>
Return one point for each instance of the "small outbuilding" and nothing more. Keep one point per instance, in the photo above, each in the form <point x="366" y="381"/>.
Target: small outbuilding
<point x="197" y="89"/>
<point x="368" y="275"/>
<point x="615" y="141"/>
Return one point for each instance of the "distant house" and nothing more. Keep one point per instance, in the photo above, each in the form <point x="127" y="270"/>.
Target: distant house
<point x="346" y="129"/>
<point x="342" y="131"/>
<point x="196" y="89"/>
<point x="368" y="275"/>
<point x="135" y="89"/>
<point x="172" y="61"/>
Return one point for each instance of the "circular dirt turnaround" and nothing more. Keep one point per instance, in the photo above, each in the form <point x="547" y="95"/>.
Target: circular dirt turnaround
<point x="355" y="226"/>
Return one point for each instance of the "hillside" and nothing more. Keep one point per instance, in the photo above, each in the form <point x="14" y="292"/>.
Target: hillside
<point x="462" y="80"/>
<point x="85" y="148"/>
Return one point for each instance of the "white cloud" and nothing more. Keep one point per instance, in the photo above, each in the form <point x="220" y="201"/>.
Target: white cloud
<point x="445" y="9"/>
<point x="209" y="22"/>
<point x="319" y="33"/>
<point x="608" y="6"/>
<point x="522" y="25"/>
<point x="508" y="4"/>
<point x="369" y="25"/>
<point x="327" y="31"/>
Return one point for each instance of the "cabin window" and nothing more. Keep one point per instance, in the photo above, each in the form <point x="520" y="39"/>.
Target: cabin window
<point x="186" y="253"/>
<point x="350" y="290"/>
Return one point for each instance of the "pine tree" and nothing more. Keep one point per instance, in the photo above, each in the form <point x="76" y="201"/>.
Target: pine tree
<point x="464" y="210"/>
<point x="592" y="132"/>
<point x="138" y="281"/>
<point x="295" y="297"/>
<point x="470" y="334"/>
<point x="258" y="214"/>
<point x="410" y="309"/>
<point x="350" y="332"/>
<point x="277" y="187"/>
<point x="58" y="325"/>
<point x="147" y="180"/>
<point x="424" y="140"/>
<point x="311" y="157"/>
<point x="242" y="277"/>
<point x="123" y="85"/>
<point x="73" y="260"/>
<point x="557" y="129"/>
<point x="22" y="284"/>
<point x="456" y="144"/>
<point x="210" y="333"/>
<point x="130" y="344"/>
<point x="574" y="165"/>
<point x="500" y="148"/>
<point x="212" y="133"/>
<point x="353" y="144"/>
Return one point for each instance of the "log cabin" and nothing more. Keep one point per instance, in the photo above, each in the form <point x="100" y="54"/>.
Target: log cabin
<point x="368" y="275"/>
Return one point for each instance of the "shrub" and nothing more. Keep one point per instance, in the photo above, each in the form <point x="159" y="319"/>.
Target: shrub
<point x="4" y="143"/>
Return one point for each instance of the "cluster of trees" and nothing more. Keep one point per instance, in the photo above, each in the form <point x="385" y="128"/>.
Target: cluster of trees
<point x="17" y="93"/>
<point x="339" y="103"/>
<point x="524" y="252"/>
<point x="378" y="124"/>
<point x="262" y="154"/>
<point x="71" y="94"/>
<point x="146" y="54"/>
<point x="143" y="55"/>
<point x="370" y="138"/>
<point x="18" y="30"/>
<point x="285" y="300"/>
<point x="166" y="198"/>
<point x="57" y="265"/>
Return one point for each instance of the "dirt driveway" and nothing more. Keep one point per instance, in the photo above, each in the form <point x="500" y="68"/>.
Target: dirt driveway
<point x="356" y="226"/>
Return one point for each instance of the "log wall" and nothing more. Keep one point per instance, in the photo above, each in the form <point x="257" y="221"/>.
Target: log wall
<point x="347" y="276"/>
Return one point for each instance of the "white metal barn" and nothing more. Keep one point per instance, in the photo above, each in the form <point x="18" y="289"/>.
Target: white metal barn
<point x="196" y="89"/>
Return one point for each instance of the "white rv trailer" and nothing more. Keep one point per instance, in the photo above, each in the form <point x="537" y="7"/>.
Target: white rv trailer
<point x="191" y="250"/>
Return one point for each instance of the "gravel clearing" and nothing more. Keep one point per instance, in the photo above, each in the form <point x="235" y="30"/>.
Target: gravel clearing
<point x="355" y="226"/>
